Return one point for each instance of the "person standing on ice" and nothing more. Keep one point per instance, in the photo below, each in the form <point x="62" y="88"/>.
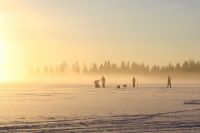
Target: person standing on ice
<point x="103" y="80"/>
<point x="169" y="84"/>
<point x="134" y="81"/>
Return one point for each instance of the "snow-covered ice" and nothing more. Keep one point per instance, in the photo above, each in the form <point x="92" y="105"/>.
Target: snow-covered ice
<point x="82" y="108"/>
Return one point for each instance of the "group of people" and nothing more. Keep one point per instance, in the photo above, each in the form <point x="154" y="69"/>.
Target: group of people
<point x="103" y="81"/>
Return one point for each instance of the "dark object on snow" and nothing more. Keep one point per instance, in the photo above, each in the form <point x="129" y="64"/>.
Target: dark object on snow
<point x="194" y="102"/>
<point x="118" y="86"/>
<point x="96" y="83"/>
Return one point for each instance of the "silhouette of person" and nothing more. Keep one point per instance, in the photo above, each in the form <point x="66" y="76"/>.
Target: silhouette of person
<point x="96" y="84"/>
<point x="134" y="81"/>
<point x="103" y="80"/>
<point x="169" y="84"/>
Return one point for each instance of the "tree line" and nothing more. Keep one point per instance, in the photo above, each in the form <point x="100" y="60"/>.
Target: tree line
<point x="188" y="66"/>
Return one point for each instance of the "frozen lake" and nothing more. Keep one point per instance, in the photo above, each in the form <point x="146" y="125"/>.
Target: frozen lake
<point x="82" y="108"/>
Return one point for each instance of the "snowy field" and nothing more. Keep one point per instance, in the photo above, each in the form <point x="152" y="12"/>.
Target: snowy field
<point x="82" y="108"/>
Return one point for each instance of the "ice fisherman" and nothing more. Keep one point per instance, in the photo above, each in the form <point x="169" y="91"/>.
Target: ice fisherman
<point x="169" y="84"/>
<point x="134" y="81"/>
<point x="103" y="80"/>
<point x="96" y="83"/>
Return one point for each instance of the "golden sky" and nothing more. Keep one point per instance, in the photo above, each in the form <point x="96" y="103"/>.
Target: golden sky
<point x="45" y="32"/>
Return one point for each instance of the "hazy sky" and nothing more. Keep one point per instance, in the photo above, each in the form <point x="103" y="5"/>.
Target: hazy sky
<point x="37" y="32"/>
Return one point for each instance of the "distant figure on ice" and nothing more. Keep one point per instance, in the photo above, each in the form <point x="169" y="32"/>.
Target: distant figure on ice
<point x="96" y="83"/>
<point x="134" y="81"/>
<point x="169" y="84"/>
<point x="103" y="80"/>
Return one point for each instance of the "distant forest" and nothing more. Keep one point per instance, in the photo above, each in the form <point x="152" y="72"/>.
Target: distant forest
<point x="189" y="66"/>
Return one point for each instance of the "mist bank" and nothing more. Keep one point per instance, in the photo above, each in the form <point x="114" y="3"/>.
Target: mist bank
<point x="122" y="73"/>
<point x="183" y="73"/>
<point x="115" y="79"/>
<point x="108" y="67"/>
